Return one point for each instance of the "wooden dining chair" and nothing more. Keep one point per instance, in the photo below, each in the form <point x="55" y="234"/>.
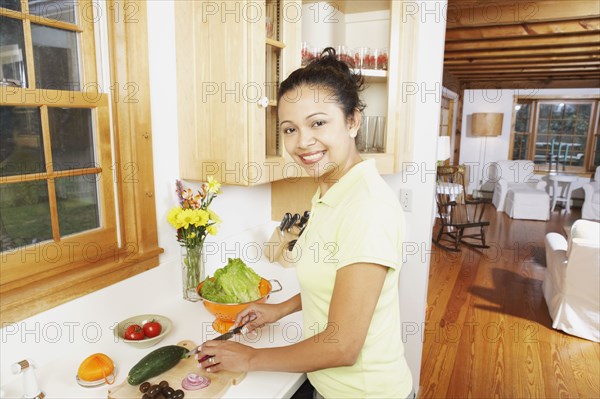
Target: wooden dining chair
<point x="461" y="216"/>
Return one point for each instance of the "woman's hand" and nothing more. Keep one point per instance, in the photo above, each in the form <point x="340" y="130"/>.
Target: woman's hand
<point x="225" y="355"/>
<point x="257" y="315"/>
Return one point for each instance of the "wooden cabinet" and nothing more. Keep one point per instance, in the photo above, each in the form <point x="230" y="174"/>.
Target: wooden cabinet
<point x="228" y="72"/>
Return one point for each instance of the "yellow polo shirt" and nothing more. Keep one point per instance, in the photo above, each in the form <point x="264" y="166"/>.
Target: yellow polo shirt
<point x="359" y="219"/>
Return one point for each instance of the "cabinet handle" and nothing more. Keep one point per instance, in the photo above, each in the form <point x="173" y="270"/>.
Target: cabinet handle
<point x="263" y="102"/>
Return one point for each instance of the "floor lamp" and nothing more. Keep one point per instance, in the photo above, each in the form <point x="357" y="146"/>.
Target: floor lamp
<point x="443" y="149"/>
<point x="485" y="125"/>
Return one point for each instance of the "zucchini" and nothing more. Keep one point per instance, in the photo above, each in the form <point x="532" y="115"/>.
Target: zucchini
<point x="156" y="362"/>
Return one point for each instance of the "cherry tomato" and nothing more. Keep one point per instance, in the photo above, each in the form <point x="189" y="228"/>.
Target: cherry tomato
<point x="152" y="329"/>
<point x="134" y="332"/>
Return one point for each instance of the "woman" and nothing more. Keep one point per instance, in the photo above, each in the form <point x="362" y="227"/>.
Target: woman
<point x="351" y="250"/>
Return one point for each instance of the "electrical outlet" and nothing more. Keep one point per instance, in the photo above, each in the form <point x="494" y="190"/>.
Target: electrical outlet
<point x="406" y="199"/>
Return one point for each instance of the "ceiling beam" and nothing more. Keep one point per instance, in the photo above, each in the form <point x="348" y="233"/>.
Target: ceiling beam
<point x="472" y="13"/>
<point x="549" y="59"/>
<point x="545" y="71"/>
<point x="505" y="53"/>
<point x="523" y="66"/>
<point x="587" y="38"/>
<point x="501" y="75"/>
<point x="523" y="29"/>
<point x="534" y="84"/>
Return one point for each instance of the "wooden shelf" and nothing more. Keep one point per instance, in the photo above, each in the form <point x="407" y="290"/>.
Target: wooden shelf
<point x="373" y="75"/>
<point x="274" y="43"/>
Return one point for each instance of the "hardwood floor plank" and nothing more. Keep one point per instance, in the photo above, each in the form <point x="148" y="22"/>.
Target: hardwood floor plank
<point x="555" y="366"/>
<point x="488" y="333"/>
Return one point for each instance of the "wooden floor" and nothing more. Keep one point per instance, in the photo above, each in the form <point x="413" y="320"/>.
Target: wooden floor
<point x="488" y="331"/>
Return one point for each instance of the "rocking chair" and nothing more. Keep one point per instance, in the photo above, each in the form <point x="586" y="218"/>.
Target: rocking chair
<point x="458" y="212"/>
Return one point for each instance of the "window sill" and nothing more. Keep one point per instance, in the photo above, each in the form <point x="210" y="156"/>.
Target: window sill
<point x="30" y="299"/>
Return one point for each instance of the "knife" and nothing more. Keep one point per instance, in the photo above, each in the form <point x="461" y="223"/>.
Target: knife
<point x="304" y="220"/>
<point x="285" y="221"/>
<point x="295" y="219"/>
<point x="223" y="337"/>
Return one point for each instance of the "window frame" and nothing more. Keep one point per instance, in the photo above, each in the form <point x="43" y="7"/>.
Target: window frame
<point x="24" y="294"/>
<point x="535" y="102"/>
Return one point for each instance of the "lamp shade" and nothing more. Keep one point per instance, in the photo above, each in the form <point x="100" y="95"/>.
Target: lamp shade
<point x="486" y="124"/>
<point x="443" y="148"/>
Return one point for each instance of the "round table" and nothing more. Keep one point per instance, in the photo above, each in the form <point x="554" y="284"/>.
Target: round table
<point x="562" y="188"/>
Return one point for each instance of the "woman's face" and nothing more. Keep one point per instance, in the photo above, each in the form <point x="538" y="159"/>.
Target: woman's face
<point x="316" y="134"/>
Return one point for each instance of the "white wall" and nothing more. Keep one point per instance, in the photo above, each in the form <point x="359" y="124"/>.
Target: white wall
<point x="472" y="149"/>
<point x="419" y="178"/>
<point x="243" y="208"/>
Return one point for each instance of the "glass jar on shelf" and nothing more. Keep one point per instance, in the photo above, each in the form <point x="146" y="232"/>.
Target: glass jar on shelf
<point x="380" y="59"/>
<point x="361" y="57"/>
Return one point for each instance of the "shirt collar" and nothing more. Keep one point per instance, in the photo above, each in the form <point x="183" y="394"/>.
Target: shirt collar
<point x="339" y="190"/>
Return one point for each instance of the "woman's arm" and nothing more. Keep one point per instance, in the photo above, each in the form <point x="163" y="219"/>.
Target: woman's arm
<point x="257" y="315"/>
<point x="355" y="295"/>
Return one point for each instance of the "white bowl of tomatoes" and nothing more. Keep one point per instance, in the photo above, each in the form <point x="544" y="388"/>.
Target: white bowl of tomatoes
<point x="143" y="331"/>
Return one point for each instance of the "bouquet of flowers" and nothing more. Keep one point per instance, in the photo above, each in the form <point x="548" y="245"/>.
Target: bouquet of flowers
<point x="194" y="220"/>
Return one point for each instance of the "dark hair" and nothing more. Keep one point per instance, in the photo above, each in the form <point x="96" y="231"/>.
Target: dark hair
<point x="329" y="72"/>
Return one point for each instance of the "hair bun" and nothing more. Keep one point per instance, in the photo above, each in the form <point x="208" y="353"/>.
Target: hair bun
<point x="329" y="71"/>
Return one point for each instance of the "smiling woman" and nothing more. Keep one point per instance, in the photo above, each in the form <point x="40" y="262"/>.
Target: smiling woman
<point x="350" y="250"/>
<point x="322" y="139"/>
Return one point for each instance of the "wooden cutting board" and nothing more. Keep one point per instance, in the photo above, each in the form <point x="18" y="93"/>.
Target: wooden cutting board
<point x="219" y="382"/>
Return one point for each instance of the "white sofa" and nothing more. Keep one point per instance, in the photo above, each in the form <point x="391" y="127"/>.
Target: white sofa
<point x="572" y="280"/>
<point x="512" y="174"/>
<point x="591" y="204"/>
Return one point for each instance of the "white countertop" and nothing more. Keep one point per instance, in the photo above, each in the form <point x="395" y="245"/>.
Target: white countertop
<point x="59" y="339"/>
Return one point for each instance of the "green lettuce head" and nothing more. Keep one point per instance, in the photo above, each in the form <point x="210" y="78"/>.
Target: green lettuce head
<point x="233" y="283"/>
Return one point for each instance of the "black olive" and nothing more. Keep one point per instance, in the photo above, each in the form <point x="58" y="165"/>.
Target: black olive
<point x="154" y="389"/>
<point x="146" y="396"/>
<point x="163" y="384"/>
<point x="144" y="387"/>
<point x="160" y="396"/>
<point x="168" y="392"/>
<point x="178" y="394"/>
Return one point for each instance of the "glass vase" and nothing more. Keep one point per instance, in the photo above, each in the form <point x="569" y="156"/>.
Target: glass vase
<point x="192" y="264"/>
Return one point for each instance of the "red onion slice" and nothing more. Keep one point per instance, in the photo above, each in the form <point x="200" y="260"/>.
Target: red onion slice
<point x="193" y="382"/>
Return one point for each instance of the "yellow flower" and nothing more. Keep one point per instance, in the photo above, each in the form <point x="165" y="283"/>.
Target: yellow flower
<point x="192" y="235"/>
<point x="172" y="217"/>
<point x="185" y="218"/>
<point x="200" y="217"/>
<point x="212" y="230"/>
<point x="213" y="185"/>
<point x="213" y="216"/>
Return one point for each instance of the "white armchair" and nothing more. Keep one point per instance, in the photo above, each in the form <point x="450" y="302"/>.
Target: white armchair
<point x="512" y="174"/>
<point x="572" y="280"/>
<point x="591" y="204"/>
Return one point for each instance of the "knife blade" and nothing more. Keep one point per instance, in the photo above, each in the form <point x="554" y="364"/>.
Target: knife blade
<point x="223" y="337"/>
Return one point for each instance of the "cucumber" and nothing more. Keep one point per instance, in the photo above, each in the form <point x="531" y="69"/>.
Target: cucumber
<point x="156" y="362"/>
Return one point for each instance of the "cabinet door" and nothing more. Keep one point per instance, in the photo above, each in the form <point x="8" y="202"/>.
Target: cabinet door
<point x="220" y="78"/>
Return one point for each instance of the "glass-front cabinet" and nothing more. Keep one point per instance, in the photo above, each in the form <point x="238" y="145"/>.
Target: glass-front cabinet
<point x="231" y="57"/>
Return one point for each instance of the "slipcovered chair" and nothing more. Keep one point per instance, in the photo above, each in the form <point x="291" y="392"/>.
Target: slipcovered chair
<point x="572" y="280"/>
<point x="512" y="174"/>
<point x="591" y="204"/>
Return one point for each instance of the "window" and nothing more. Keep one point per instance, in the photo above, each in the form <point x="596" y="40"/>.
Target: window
<point x="557" y="134"/>
<point x="60" y="235"/>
